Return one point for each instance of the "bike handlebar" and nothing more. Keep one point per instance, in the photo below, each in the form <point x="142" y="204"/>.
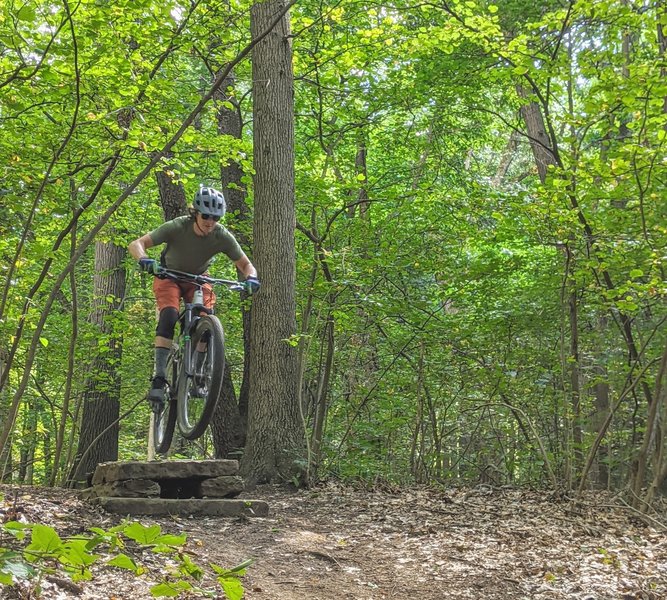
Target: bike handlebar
<point x="164" y="273"/>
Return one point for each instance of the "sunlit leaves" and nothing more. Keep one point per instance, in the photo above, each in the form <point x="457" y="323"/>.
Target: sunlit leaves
<point x="47" y="552"/>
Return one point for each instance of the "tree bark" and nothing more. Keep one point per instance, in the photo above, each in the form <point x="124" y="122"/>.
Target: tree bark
<point x="172" y="196"/>
<point x="601" y="413"/>
<point x="58" y="468"/>
<point x="274" y="448"/>
<point x="226" y="426"/>
<point x="6" y="454"/>
<point x="98" y="441"/>
<point x="540" y="143"/>
<point x="231" y="174"/>
<point x="573" y="360"/>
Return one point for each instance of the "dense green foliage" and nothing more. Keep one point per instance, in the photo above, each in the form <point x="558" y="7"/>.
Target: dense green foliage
<point x="33" y="552"/>
<point x="461" y="317"/>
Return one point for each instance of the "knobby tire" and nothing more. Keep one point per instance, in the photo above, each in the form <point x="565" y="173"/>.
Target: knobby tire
<point x="194" y="414"/>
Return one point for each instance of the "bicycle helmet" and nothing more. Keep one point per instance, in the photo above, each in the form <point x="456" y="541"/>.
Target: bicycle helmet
<point x="209" y="201"/>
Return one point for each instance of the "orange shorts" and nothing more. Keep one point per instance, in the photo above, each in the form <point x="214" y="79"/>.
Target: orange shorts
<point x="169" y="293"/>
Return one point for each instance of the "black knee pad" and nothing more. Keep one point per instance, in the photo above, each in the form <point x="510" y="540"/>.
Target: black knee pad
<point x="167" y="322"/>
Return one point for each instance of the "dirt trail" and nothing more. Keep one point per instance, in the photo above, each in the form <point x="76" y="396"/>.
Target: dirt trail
<point x="336" y="543"/>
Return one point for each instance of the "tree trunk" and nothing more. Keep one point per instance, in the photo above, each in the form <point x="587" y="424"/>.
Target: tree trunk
<point x="575" y="372"/>
<point x="6" y="454"/>
<point x="662" y="47"/>
<point x="652" y="439"/>
<point x="226" y="427"/>
<point x="361" y="168"/>
<point x="321" y="399"/>
<point x="660" y="467"/>
<point x="172" y="196"/>
<point x="601" y="413"/>
<point x="231" y="174"/>
<point x="98" y="441"/>
<point x="58" y="468"/>
<point x="274" y="448"/>
<point x="506" y="159"/>
<point x="536" y="130"/>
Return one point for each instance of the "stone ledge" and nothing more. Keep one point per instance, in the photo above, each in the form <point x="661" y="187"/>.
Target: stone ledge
<point x="171" y="469"/>
<point x="169" y="506"/>
<point x="129" y="488"/>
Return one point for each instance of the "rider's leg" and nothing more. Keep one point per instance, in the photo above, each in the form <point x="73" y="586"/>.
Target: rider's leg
<point x="164" y="335"/>
<point x="168" y="296"/>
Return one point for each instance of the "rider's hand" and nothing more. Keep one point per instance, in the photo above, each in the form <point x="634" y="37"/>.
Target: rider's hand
<point x="148" y="265"/>
<point x="251" y="284"/>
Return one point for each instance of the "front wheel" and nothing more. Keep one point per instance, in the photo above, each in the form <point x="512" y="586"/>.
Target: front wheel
<point x="198" y="392"/>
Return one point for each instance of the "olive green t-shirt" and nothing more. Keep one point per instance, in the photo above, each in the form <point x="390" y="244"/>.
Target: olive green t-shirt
<point x="189" y="252"/>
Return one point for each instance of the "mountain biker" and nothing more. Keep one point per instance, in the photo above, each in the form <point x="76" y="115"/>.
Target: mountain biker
<point x="191" y="243"/>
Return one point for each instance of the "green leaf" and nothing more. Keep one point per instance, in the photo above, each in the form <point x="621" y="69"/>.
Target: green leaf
<point x="171" y="540"/>
<point x="141" y="534"/>
<point x="76" y="553"/>
<point x="26" y="13"/>
<point x="16" y="529"/>
<point x="122" y="561"/>
<point x="5" y="578"/>
<point x="45" y="540"/>
<point x="14" y="567"/>
<point x="170" y="590"/>
<point x="189" y="568"/>
<point x="231" y="587"/>
<point x="44" y="342"/>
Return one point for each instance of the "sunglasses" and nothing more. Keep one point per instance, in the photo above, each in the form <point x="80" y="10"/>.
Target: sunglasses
<point x="207" y="217"/>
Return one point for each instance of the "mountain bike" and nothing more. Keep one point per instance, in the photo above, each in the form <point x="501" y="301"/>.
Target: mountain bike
<point x="195" y="365"/>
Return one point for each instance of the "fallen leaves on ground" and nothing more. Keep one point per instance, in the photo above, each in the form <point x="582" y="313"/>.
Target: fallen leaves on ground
<point x="336" y="542"/>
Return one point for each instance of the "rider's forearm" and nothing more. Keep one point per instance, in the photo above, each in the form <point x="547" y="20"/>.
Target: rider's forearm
<point x="137" y="248"/>
<point x="246" y="267"/>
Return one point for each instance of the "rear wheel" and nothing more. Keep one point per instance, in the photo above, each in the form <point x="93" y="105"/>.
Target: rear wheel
<point x="165" y="421"/>
<point x="198" y="392"/>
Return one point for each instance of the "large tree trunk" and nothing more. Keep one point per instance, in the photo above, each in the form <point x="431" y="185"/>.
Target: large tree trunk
<point x="274" y="448"/>
<point x="540" y="142"/>
<point x="172" y="196"/>
<point x="230" y="420"/>
<point x="98" y="441"/>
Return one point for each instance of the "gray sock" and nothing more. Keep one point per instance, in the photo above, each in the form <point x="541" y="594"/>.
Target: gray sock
<point x="161" y="355"/>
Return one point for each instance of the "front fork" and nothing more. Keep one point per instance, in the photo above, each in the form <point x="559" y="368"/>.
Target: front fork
<point x="189" y="324"/>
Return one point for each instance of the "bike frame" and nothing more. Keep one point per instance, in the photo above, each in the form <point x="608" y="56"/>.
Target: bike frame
<point x="188" y="319"/>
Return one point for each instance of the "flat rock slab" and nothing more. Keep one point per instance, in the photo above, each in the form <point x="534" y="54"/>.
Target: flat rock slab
<point x="130" y="488"/>
<point x="169" y="506"/>
<point x="170" y="469"/>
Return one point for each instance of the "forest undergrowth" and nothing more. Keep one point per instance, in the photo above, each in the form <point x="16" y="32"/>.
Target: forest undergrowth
<point x="336" y="541"/>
